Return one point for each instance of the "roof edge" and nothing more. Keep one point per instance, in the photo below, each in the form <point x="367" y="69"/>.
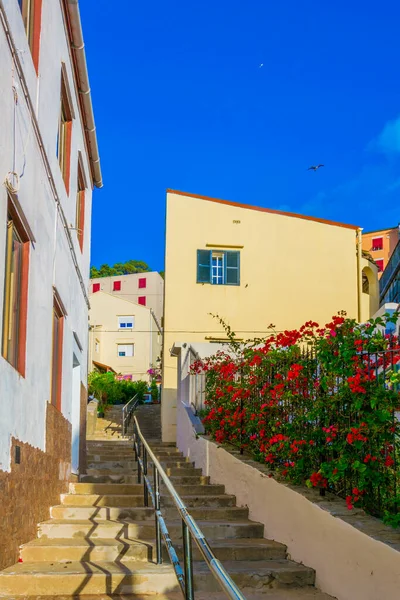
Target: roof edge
<point x="262" y="209"/>
<point x="77" y="45"/>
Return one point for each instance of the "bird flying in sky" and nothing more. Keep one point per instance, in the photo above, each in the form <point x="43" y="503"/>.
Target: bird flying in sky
<point x="315" y="168"/>
<point x="262" y="64"/>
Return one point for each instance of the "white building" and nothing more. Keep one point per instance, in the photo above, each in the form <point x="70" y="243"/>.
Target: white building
<point x="146" y="289"/>
<point x="49" y="159"/>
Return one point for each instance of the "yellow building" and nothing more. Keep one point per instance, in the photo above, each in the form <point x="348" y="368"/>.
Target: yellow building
<point x="124" y="337"/>
<point x="253" y="267"/>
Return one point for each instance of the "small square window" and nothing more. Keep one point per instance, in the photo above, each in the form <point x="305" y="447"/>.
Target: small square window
<point x="126" y="322"/>
<point x="142" y="282"/>
<point x="142" y="300"/>
<point x="116" y="286"/>
<point x="379" y="264"/>
<point x="218" y="267"/>
<point x="96" y="287"/>
<point x="125" y="349"/>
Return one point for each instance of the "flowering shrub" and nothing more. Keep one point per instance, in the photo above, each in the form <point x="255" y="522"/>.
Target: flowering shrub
<point x="317" y="405"/>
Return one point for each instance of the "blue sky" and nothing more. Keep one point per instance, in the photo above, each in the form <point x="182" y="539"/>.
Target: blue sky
<point x="181" y="102"/>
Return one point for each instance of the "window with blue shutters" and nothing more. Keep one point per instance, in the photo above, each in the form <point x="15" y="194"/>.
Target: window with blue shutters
<point x="218" y="267"/>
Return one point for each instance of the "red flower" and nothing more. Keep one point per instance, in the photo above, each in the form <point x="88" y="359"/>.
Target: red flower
<point x="318" y="480"/>
<point x="389" y="462"/>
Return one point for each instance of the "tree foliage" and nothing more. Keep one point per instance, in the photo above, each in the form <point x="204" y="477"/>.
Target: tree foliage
<point x="127" y="268"/>
<point x="107" y="389"/>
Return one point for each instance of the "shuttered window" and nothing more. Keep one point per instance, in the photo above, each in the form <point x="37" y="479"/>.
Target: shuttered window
<point x="218" y="268"/>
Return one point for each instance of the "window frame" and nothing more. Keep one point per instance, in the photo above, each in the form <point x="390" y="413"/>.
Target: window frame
<point x="64" y="136"/>
<point x="219" y="268"/>
<point x="130" y="344"/>
<point x="120" y="322"/>
<point x="80" y="202"/>
<point x="97" y="286"/>
<point x="31" y="13"/>
<point x="205" y="267"/>
<point x="19" y="223"/>
<point x="376" y="249"/>
<point x="380" y="263"/>
<point x="117" y="283"/>
<point x="142" y="283"/>
<point x="57" y="344"/>
<point x="142" y="300"/>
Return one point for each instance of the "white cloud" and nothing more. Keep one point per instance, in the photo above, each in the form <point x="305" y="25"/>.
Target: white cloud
<point x="388" y="141"/>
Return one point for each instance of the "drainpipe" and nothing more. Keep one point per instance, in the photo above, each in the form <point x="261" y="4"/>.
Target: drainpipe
<point x="78" y="47"/>
<point x="359" y="273"/>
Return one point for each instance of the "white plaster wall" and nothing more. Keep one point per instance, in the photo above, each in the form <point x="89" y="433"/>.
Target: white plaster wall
<point x="349" y="564"/>
<point x="23" y="401"/>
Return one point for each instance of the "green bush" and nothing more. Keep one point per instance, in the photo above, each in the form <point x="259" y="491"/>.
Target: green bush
<point x="154" y="391"/>
<point x="108" y="390"/>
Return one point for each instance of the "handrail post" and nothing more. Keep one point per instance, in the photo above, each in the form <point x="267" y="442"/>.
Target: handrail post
<point x="187" y="561"/>
<point x="139" y="472"/>
<point x="156" y="478"/>
<point x="145" y="490"/>
<point x="123" y="420"/>
<point x="135" y="438"/>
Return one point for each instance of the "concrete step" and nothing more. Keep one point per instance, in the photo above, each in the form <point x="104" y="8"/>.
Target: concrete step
<point x="106" y="488"/>
<point x="110" y="471"/>
<point x="133" y="501"/>
<point x="107" y="444"/>
<point x="143" y="578"/>
<point x="145" y="530"/>
<point x="78" y="578"/>
<point x="305" y="593"/>
<point x="194" y="480"/>
<point x="199" y="490"/>
<point x="100" y="457"/>
<point x="102" y="488"/>
<point x="119" y="478"/>
<point x="172" y="461"/>
<point x="113" y="464"/>
<point x="232" y="513"/>
<point x="80" y="513"/>
<point x="82" y="550"/>
<point x="103" y="549"/>
<point x="184" y="470"/>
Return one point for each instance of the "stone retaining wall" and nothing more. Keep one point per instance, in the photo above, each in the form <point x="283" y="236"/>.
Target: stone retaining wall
<point x="31" y="487"/>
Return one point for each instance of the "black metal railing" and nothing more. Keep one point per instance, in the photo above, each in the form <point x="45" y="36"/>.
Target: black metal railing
<point x="190" y="530"/>
<point x="127" y="412"/>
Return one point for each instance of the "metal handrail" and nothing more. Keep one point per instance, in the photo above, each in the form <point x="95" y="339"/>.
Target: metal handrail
<point x="127" y="412"/>
<point x="190" y="529"/>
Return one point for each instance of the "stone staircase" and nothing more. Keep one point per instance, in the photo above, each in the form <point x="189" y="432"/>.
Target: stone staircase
<point x="100" y="541"/>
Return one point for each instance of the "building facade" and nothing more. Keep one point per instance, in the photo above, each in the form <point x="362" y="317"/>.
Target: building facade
<point x="146" y="289"/>
<point x="253" y="268"/>
<point x="381" y="244"/>
<point x="389" y="284"/>
<point x="124" y="337"/>
<point x="49" y="163"/>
